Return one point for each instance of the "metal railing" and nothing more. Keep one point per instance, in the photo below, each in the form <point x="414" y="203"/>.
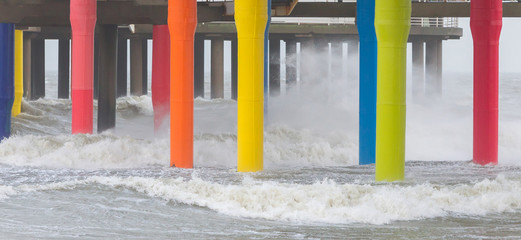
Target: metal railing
<point x="448" y="22"/>
<point x="415" y="21"/>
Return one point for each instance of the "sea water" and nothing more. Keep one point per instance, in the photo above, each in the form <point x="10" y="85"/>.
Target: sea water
<point x="117" y="185"/>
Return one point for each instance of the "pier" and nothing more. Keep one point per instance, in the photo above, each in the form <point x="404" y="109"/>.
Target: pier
<point x="100" y="33"/>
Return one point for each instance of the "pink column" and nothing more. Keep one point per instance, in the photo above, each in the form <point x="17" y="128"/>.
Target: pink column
<point x="486" y="23"/>
<point x="83" y="21"/>
<point x="160" y="74"/>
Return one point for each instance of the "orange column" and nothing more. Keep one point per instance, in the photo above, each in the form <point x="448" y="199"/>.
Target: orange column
<point x="182" y="21"/>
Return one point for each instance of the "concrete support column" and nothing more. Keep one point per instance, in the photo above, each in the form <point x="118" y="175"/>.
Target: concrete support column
<point x="122" y="66"/>
<point x="352" y="60"/>
<point x="336" y="60"/>
<point x="108" y="44"/>
<point x="137" y="66"/>
<point x="418" y="70"/>
<point x="63" y="68"/>
<point x="321" y="60"/>
<point x="27" y="65"/>
<point x="199" y="66"/>
<point x="440" y="68"/>
<point x="96" y="63"/>
<point x="234" y="68"/>
<point x="144" y="66"/>
<point x="38" y="69"/>
<point x="274" y="86"/>
<point x="291" y="63"/>
<point x="217" y="84"/>
<point x="432" y="80"/>
<point x="307" y="60"/>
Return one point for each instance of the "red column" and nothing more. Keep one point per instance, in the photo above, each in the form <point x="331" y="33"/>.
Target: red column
<point x="160" y="74"/>
<point x="182" y="21"/>
<point x="83" y="21"/>
<point x="486" y="23"/>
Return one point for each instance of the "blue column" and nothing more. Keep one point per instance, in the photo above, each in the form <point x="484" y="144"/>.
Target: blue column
<point x="267" y="60"/>
<point x="6" y="77"/>
<point x="368" y="62"/>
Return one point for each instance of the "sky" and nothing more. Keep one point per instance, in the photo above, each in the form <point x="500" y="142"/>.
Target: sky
<point x="457" y="54"/>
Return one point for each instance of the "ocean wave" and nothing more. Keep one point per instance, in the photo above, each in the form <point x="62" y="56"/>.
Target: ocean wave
<point x="324" y="201"/>
<point x="83" y="151"/>
<point x="284" y="148"/>
<point x="135" y="105"/>
<point x="329" y="202"/>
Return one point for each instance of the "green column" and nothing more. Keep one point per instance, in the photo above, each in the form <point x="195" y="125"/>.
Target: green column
<point x="392" y="22"/>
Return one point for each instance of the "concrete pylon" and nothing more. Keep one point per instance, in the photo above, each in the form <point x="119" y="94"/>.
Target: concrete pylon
<point x="96" y="63"/>
<point x="138" y="66"/>
<point x="353" y="50"/>
<point x="199" y="66"/>
<point x="433" y="81"/>
<point x="234" y="67"/>
<point x="336" y="60"/>
<point x="217" y="84"/>
<point x="321" y="60"/>
<point x="63" y="68"/>
<point x="291" y="63"/>
<point x="418" y="70"/>
<point x="307" y="60"/>
<point x="37" y="69"/>
<point x="122" y="84"/>
<point x="108" y="44"/>
<point x="27" y="52"/>
<point x="274" y="73"/>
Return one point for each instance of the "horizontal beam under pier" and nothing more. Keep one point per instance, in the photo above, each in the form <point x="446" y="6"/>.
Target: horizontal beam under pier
<point x="56" y="12"/>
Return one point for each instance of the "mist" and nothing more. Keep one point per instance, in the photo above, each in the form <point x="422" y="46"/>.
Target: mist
<point x="323" y="114"/>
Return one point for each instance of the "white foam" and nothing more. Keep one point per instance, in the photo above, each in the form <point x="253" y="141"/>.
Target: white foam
<point x="284" y="147"/>
<point x="83" y="151"/>
<point x="314" y="126"/>
<point x="6" y="191"/>
<point x="329" y="202"/>
<point x="136" y="104"/>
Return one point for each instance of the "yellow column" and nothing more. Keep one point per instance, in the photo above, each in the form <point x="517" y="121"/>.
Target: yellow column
<point x="250" y="18"/>
<point x="392" y="23"/>
<point x="18" y="73"/>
